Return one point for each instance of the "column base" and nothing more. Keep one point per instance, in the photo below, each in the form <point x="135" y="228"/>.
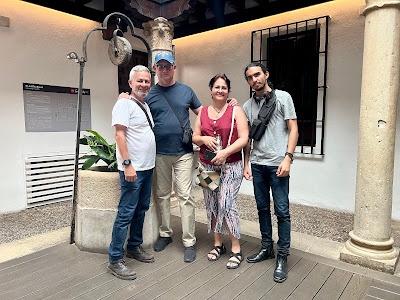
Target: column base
<point x="381" y="256"/>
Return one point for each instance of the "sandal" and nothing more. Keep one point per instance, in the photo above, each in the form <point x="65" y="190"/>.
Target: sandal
<point x="239" y="257"/>
<point x="219" y="249"/>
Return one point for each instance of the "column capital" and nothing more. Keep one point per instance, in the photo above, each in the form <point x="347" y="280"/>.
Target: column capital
<point x="159" y="33"/>
<point x="376" y="4"/>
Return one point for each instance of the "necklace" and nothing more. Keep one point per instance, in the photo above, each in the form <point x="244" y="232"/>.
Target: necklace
<point x="218" y="111"/>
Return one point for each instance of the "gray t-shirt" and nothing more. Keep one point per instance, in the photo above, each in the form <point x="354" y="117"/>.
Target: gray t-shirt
<point x="270" y="150"/>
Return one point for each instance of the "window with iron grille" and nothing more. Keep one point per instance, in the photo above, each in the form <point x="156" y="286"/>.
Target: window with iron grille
<point x="296" y="57"/>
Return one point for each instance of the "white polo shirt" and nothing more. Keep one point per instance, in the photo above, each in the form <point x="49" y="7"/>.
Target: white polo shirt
<point x="139" y="135"/>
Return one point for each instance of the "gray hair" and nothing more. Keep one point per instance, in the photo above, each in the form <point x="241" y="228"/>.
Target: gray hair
<point x="138" y="68"/>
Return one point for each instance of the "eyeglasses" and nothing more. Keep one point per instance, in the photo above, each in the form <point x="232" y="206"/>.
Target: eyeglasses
<point x="223" y="88"/>
<point x="166" y="67"/>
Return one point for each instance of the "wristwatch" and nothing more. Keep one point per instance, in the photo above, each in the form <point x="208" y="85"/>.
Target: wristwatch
<point x="126" y="162"/>
<point x="290" y="155"/>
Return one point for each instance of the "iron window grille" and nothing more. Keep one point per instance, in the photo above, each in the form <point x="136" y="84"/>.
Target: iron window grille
<point x="296" y="56"/>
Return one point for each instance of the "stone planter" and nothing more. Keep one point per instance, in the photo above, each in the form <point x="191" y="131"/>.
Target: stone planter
<point x="97" y="202"/>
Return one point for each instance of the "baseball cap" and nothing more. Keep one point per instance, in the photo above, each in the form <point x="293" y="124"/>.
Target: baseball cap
<point x="164" y="55"/>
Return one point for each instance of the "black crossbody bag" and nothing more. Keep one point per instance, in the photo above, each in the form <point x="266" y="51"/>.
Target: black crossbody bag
<point x="145" y="112"/>
<point x="187" y="130"/>
<point x="259" y="125"/>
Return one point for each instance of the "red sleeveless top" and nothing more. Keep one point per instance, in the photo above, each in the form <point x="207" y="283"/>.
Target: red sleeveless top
<point x="221" y="126"/>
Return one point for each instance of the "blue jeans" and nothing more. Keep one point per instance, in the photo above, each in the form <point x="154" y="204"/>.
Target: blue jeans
<point x="264" y="179"/>
<point x="134" y="202"/>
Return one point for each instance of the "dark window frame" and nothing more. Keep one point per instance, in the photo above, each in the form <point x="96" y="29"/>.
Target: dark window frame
<point x="261" y="41"/>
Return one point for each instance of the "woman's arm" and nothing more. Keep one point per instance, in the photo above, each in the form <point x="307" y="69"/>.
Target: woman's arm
<point x="199" y="140"/>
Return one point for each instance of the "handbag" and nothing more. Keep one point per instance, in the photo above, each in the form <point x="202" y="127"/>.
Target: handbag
<point x="211" y="179"/>
<point x="259" y="125"/>
<point x="186" y="130"/>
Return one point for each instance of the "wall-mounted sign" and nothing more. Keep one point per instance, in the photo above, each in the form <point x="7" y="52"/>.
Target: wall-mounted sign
<point x="51" y="108"/>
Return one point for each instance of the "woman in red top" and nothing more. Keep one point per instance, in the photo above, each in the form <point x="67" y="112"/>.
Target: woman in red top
<point x="222" y="212"/>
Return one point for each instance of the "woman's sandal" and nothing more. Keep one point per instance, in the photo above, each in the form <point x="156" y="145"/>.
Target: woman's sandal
<point x="239" y="257"/>
<point x="219" y="251"/>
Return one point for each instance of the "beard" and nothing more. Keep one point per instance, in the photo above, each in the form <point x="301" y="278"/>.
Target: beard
<point x="261" y="88"/>
<point x="141" y="94"/>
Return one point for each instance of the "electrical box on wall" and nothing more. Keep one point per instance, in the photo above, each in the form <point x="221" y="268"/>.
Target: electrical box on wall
<point x="4" y="21"/>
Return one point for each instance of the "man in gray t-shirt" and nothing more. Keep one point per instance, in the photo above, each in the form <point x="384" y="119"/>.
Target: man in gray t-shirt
<point x="270" y="159"/>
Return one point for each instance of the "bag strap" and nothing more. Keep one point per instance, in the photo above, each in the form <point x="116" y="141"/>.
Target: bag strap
<point x="173" y="110"/>
<point x="233" y="121"/>
<point x="145" y="112"/>
<point x="267" y="109"/>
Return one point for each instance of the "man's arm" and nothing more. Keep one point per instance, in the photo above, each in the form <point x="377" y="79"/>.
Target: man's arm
<point x="284" y="167"/>
<point x="130" y="172"/>
<point x="247" y="171"/>
<point x="197" y="110"/>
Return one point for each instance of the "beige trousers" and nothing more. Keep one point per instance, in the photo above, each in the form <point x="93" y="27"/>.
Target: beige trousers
<point x="182" y="166"/>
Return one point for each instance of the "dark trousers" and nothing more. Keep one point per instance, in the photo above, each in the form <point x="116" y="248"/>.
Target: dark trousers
<point x="264" y="179"/>
<point x="134" y="202"/>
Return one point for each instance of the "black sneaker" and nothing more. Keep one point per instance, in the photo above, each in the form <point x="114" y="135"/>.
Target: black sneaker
<point x="190" y="254"/>
<point x="121" y="270"/>
<point x="140" y="254"/>
<point x="161" y="243"/>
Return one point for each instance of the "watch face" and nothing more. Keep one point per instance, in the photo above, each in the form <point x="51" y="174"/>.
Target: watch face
<point x="126" y="162"/>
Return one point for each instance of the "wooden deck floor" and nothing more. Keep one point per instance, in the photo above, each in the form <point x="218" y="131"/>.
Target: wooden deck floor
<point x="64" y="272"/>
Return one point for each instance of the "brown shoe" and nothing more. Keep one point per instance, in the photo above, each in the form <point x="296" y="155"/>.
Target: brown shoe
<point x="121" y="270"/>
<point x="139" y="254"/>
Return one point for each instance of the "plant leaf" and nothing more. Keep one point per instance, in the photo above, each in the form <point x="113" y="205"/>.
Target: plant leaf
<point x="89" y="162"/>
<point x="103" y="155"/>
<point x="83" y="141"/>
<point x="99" y="136"/>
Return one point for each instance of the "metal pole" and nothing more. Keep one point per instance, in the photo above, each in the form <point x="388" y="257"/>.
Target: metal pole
<point x="78" y="136"/>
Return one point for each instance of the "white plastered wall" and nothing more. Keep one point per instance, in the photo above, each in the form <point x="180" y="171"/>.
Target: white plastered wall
<point x="34" y="49"/>
<point x="327" y="181"/>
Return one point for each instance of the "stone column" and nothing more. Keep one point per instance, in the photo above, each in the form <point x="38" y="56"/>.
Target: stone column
<point x="370" y="243"/>
<point x="159" y="34"/>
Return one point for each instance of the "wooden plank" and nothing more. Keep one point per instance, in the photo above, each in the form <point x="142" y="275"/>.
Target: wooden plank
<point x="172" y="267"/>
<point x="4" y="266"/>
<point x="357" y="287"/>
<point x="24" y="269"/>
<point x="383" y="290"/>
<point x="245" y="278"/>
<point x="387" y="286"/>
<point x="335" y="285"/>
<point x="310" y="286"/>
<point x="51" y="283"/>
<point x="348" y="267"/>
<point x="197" y="280"/>
<point x="46" y="276"/>
<point x="265" y="282"/>
<point x="106" y="284"/>
<point x="185" y="274"/>
<point x="295" y="276"/>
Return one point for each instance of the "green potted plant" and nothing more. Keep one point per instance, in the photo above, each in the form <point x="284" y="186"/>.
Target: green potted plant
<point x="101" y="151"/>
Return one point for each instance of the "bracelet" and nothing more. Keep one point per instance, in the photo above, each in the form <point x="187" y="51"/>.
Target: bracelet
<point x="290" y="155"/>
